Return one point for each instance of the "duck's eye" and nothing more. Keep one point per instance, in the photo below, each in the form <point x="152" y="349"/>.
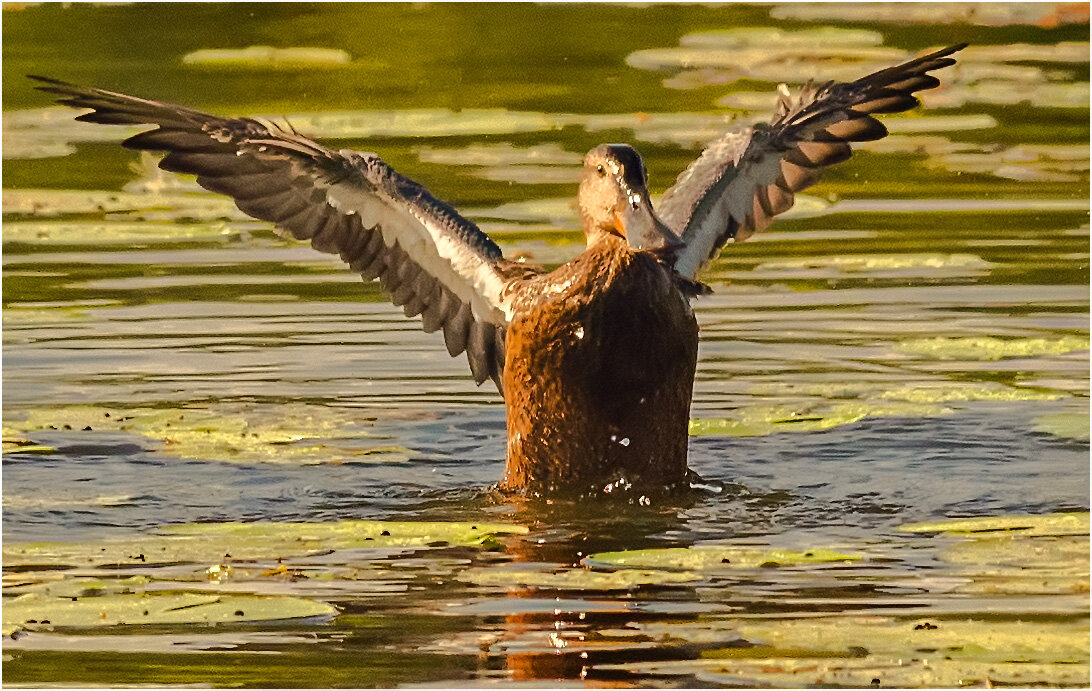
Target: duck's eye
<point x="600" y="169"/>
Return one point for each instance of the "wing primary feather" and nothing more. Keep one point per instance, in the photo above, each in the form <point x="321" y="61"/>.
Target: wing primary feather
<point x="819" y="154"/>
<point x="455" y="330"/>
<point x="496" y="372"/>
<point x="384" y="225"/>
<point x="172" y="139"/>
<point x="432" y="317"/>
<point x="864" y="129"/>
<point x="402" y="294"/>
<point x="746" y="177"/>
<point x="414" y="305"/>
<point x="327" y="237"/>
<point x="797" y="177"/>
<point x="479" y="350"/>
<point x="371" y="269"/>
<point x="271" y="208"/>
<point x="762" y="201"/>
<point x="354" y="244"/>
<point x="895" y="103"/>
<point x="779" y="200"/>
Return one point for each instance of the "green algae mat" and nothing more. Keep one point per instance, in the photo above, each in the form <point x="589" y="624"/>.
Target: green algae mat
<point x="169" y="565"/>
<point x="984" y="600"/>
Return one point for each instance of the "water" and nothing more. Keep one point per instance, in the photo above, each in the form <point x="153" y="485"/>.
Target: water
<point x="824" y="414"/>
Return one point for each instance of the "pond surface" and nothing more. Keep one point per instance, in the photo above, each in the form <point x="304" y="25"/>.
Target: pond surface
<point x="910" y="343"/>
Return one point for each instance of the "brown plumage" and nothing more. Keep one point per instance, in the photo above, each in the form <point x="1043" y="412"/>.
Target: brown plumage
<point x="599" y="374"/>
<point x="595" y="359"/>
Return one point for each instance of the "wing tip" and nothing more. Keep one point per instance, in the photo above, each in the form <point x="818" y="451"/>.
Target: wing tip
<point x="50" y="85"/>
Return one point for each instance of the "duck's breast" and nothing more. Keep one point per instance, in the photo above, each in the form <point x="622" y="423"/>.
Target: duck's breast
<point x="599" y="373"/>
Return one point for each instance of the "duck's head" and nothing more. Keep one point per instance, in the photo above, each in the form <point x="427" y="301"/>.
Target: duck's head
<point x="614" y="200"/>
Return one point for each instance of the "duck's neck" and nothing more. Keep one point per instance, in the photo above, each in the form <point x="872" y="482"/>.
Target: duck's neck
<point x="599" y="240"/>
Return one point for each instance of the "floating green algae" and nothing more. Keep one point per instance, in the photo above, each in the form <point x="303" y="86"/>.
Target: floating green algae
<point x="1043" y="524"/>
<point x="766" y="36"/>
<point x="300" y="434"/>
<point x="713" y="557"/>
<point x="990" y="348"/>
<point x="20" y="316"/>
<point x="868" y="263"/>
<point x="981" y="640"/>
<point x="35" y="610"/>
<point x="1021" y="565"/>
<point x="870" y="651"/>
<point x="112" y="233"/>
<point x="574" y="578"/>
<point x="267" y="57"/>
<point x="343" y="534"/>
<point x="1016" y="555"/>
<point x="962" y="14"/>
<point x="838" y="671"/>
<point x="252" y="577"/>
<point x="16" y="444"/>
<point x="216" y="543"/>
<point x="761" y="420"/>
<point x="163" y="206"/>
<point x="59" y="585"/>
<point x="1065" y="425"/>
<point x="951" y="393"/>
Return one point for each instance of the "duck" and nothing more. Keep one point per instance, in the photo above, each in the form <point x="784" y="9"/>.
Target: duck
<point x="595" y="359"/>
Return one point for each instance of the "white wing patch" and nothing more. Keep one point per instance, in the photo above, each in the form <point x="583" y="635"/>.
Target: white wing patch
<point x="449" y="260"/>
<point x="746" y="177"/>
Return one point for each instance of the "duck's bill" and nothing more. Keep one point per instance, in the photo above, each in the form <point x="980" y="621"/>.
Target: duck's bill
<point x="645" y="231"/>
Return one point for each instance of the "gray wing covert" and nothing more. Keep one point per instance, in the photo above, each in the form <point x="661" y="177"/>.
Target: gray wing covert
<point x="745" y="178"/>
<point x="432" y="261"/>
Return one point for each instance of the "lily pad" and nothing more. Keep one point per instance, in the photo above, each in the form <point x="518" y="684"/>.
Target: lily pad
<point x="562" y="578"/>
<point x="422" y="122"/>
<point x="267" y="57"/>
<point x="1045" y="524"/>
<point x="750" y="37"/>
<point x="48" y="132"/>
<point x="37" y="610"/>
<point x="858" y="650"/>
<point x="299" y="434"/>
<point x="871" y="263"/>
<point x="842" y="671"/>
<point x="712" y="557"/>
<point x="57" y="585"/>
<point x="950" y="393"/>
<point x="957" y="13"/>
<point x="112" y="233"/>
<point x="1026" y="162"/>
<point x="1065" y="51"/>
<point x="1065" y="425"/>
<point x="354" y="533"/>
<point x="990" y="348"/>
<point x="150" y="203"/>
<point x="215" y="543"/>
<point x="19" y="445"/>
<point x="1039" y="93"/>
<point x="501" y="154"/>
<point x="980" y="640"/>
<point x="762" y="420"/>
<point x="1021" y="565"/>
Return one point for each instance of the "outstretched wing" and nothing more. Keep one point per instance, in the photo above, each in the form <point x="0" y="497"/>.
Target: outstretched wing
<point x="432" y="261"/>
<point x="749" y="176"/>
